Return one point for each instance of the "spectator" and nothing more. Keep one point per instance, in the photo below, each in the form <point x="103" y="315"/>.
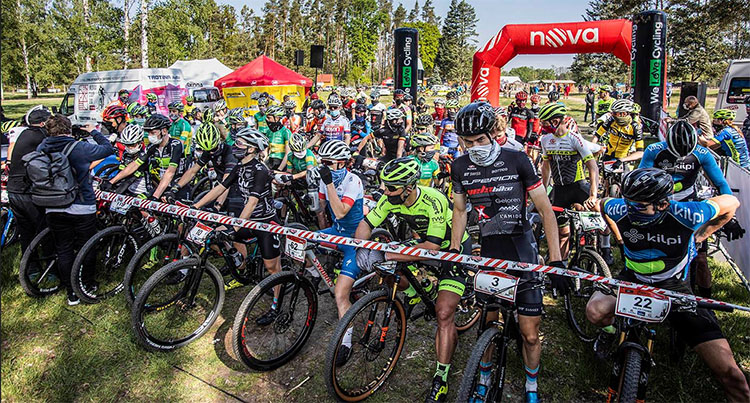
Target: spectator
<point x="669" y="95"/>
<point x="590" y="98"/>
<point x="72" y="226"/>
<point x="567" y="91"/>
<point x="697" y="116"/>
<point x="30" y="219"/>
<point x="746" y="123"/>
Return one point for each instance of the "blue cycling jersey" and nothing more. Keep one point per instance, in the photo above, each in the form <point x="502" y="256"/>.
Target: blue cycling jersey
<point x="734" y="146"/>
<point x="350" y="191"/>
<point x="663" y="250"/>
<point x="685" y="170"/>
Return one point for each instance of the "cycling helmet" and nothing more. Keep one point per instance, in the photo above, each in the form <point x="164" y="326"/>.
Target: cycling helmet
<point x="501" y="111"/>
<point x="7" y="126"/>
<point x="130" y="107"/>
<point x="297" y="142"/>
<point x="235" y="119"/>
<point x="360" y="108"/>
<point x="335" y="150"/>
<point x="605" y="88"/>
<point x="334" y="101"/>
<point x="157" y="121"/>
<point x="475" y="118"/>
<point x="220" y="105"/>
<point x="235" y="112"/>
<point x="139" y="110"/>
<point x="682" y="138"/>
<point x="375" y="94"/>
<point x="114" y="111"/>
<point x="399" y="93"/>
<point x="392" y="114"/>
<point x="39" y="114"/>
<point x="424" y="121"/>
<point x="290" y="104"/>
<point x="439" y="101"/>
<point x="622" y="105"/>
<point x="408" y="97"/>
<point x="535" y="98"/>
<point x="275" y="110"/>
<point x="133" y="134"/>
<point x="208" y="115"/>
<point x="553" y="96"/>
<point x="402" y="171"/>
<point x="521" y="96"/>
<point x="207" y="137"/>
<point x="452" y="103"/>
<point x="263" y="101"/>
<point x="123" y="91"/>
<point x="317" y="104"/>
<point x="151" y="96"/>
<point x="189" y="99"/>
<point x="551" y="111"/>
<point x="176" y="105"/>
<point x="650" y="185"/>
<point x="636" y="108"/>
<point x="423" y="139"/>
<point x="724" y="114"/>
<point x="452" y="95"/>
<point x="252" y="137"/>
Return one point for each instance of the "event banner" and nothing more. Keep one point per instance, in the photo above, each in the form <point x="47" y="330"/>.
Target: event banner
<point x="739" y="181"/>
<point x="648" y="64"/>
<point x="406" y="41"/>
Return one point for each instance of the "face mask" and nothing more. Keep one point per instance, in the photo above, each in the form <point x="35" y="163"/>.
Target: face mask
<point x="173" y="117"/>
<point x="132" y="150"/>
<point x="239" y="153"/>
<point x="359" y="118"/>
<point x="154" y="139"/>
<point x="718" y="128"/>
<point x="623" y="120"/>
<point x="451" y="115"/>
<point x="375" y="101"/>
<point x="395" y="200"/>
<point x="640" y="219"/>
<point x="686" y="106"/>
<point x="484" y="155"/>
<point x="110" y="127"/>
<point x="139" y="121"/>
<point x="335" y="113"/>
<point x="426" y="156"/>
<point x="275" y="126"/>
<point x="440" y="110"/>
<point x="395" y="126"/>
<point x="338" y="175"/>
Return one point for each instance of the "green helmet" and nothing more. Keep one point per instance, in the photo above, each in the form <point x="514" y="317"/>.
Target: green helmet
<point x="423" y="139"/>
<point x="131" y="107"/>
<point x="551" y="111"/>
<point x="151" y="96"/>
<point x="451" y="103"/>
<point x="297" y="142"/>
<point x="6" y="126"/>
<point x="275" y="110"/>
<point x="189" y="99"/>
<point x="724" y="114"/>
<point x="207" y="137"/>
<point x="176" y="105"/>
<point x="208" y="115"/>
<point x="607" y="88"/>
<point x="402" y="171"/>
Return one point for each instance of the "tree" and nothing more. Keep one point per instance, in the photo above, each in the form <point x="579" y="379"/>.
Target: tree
<point x="428" y="14"/>
<point x="399" y="16"/>
<point x="362" y="31"/>
<point x="456" y="48"/>
<point x="530" y="74"/>
<point x="429" y="41"/>
<point x="414" y="13"/>
<point x="144" y="34"/>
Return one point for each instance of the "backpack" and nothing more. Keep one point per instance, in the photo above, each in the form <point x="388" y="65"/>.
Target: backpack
<point x="51" y="176"/>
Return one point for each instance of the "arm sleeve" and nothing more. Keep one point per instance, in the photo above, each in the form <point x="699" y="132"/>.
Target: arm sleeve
<point x="100" y="150"/>
<point x="231" y="178"/>
<point x="647" y="161"/>
<point x="712" y="170"/>
<point x="615" y="208"/>
<point x="368" y="129"/>
<point x="377" y="215"/>
<point x="694" y="214"/>
<point x="527" y="173"/>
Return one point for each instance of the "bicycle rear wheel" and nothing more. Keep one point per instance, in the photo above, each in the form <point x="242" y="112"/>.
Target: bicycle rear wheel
<point x="575" y="301"/>
<point x="177" y="305"/>
<point x="473" y="387"/>
<point x="37" y="271"/>
<point x="468" y="311"/>
<point x="375" y="346"/>
<point x="269" y="346"/>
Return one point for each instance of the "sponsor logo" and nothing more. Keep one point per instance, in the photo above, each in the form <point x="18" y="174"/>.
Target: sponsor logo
<point x="488" y="189"/>
<point x="557" y="37"/>
<point x="406" y="76"/>
<point x="688" y="214"/>
<point x="654" y="72"/>
<point x="633" y="235"/>
<point x="482" y="89"/>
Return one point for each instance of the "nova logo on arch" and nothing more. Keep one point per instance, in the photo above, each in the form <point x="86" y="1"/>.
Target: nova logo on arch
<point x="557" y="37"/>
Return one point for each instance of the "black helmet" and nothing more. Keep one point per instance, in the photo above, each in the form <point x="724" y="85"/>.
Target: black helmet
<point x="157" y="121"/>
<point x="421" y="101"/>
<point x="553" y="96"/>
<point x="360" y="108"/>
<point x="398" y="93"/>
<point x="425" y="120"/>
<point x="408" y="97"/>
<point x="475" y="118"/>
<point x="650" y="185"/>
<point x="317" y="104"/>
<point x="682" y="138"/>
<point x="451" y="95"/>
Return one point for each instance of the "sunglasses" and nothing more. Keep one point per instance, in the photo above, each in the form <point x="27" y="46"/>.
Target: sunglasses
<point x="329" y="163"/>
<point x="393" y="188"/>
<point x="637" y="206"/>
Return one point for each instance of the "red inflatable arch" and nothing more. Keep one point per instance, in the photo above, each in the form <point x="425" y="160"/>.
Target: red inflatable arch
<point x="608" y="36"/>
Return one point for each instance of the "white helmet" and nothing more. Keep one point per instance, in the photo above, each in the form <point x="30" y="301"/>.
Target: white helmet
<point x="133" y="134"/>
<point x="335" y="150"/>
<point x="253" y="137"/>
<point x="622" y="105"/>
<point x="395" y="113"/>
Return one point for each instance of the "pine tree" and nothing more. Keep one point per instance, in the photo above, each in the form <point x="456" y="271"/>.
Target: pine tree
<point x="428" y="14"/>
<point x="414" y="13"/>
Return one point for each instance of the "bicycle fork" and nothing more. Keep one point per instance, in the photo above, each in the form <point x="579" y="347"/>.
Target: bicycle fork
<point x="385" y="323"/>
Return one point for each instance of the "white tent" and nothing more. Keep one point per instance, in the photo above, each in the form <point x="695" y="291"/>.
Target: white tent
<point x="201" y="73"/>
<point x="509" y="79"/>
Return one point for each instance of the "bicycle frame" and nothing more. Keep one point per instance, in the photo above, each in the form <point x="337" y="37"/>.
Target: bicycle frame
<point x="6" y="228"/>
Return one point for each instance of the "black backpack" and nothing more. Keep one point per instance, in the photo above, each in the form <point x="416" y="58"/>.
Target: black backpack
<point x="51" y="176"/>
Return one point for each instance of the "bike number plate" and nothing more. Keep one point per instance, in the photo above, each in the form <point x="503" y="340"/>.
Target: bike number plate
<point x="4" y="196"/>
<point x="592" y="221"/>
<point x="295" y="248"/>
<point x="199" y="233"/>
<point x="119" y="206"/>
<point x="497" y="283"/>
<point x="646" y="306"/>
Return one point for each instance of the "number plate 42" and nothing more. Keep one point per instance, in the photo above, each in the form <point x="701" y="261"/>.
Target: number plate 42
<point x="497" y="283"/>
<point x="646" y="306"/>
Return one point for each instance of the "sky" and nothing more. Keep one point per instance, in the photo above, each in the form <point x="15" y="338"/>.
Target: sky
<point x="493" y="15"/>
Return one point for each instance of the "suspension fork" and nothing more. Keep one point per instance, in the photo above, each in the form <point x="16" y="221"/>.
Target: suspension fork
<point x="502" y="356"/>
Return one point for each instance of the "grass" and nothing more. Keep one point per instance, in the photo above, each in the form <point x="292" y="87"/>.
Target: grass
<point x="52" y="352"/>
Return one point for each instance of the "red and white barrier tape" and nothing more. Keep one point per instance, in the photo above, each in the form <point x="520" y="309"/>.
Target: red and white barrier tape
<point x="493" y="263"/>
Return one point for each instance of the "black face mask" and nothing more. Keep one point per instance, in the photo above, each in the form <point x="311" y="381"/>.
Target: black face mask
<point x="275" y="126"/>
<point x="110" y="127"/>
<point x="718" y="128"/>
<point x="239" y="153"/>
<point x="395" y="200"/>
<point x="451" y="115"/>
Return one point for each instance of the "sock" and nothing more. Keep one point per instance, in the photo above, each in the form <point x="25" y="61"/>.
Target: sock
<point x="347" y="340"/>
<point x="410" y="293"/>
<point x="531" y="375"/>
<point x="704" y="292"/>
<point x="275" y="302"/>
<point x="609" y="329"/>
<point x="485" y="372"/>
<point x="604" y="241"/>
<point x="442" y="371"/>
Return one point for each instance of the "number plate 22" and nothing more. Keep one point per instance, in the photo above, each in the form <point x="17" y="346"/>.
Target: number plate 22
<point x="646" y="306"/>
<point x="497" y="283"/>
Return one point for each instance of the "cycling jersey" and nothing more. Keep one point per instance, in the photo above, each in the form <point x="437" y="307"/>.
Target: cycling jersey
<point x="260" y="120"/>
<point x="182" y="131"/>
<point x="566" y="156"/>
<point x="430" y="170"/>
<point x="619" y="139"/>
<point x="351" y="192"/>
<point x="189" y="109"/>
<point x="348" y="108"/>
<point x="437" y="118"/>
<point x="430" y="216"/>
<point x="376" y="115"/>
<point x="313" y="125"/>
<point x="685" y="171"/>
<point x="295" y="165"/>
<point x="293" y="122"/>
<point x="664" y="250"/>
<point x="360" y="129"/>
<point x="390" y="140"/>
<point x="277" y="142"/>
<point x="498" y="192"/>
<point x="602" y="106"/>
<point x="335" y="128"/>
<point x="252" y="179"/>
<point x="536" y="124"/>
<point x="159" y="159"/>
<point x="220" y="159"/>
<point x="521" y="120"/>
<point x="449" y="138"/>
<point x="733" y="145"/>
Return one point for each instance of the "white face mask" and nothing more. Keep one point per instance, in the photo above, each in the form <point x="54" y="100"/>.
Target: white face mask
<point x="300" y="154"/>
<point x="154" y="139"/>
<point x="485" y="154"/>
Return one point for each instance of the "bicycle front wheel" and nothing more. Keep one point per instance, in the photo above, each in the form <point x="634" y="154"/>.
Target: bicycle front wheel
<point x="153" y="255"/>
<point x="177" y="305"/>
<point x="376" y="344"/>
<point x="576" y="300"/>
<point x="264" y="342"/>
<point x="631" y="374"/>
<point x="484" y="384"/>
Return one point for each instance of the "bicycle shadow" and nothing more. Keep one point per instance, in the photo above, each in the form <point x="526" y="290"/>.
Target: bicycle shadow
<point x="222" y="338"/>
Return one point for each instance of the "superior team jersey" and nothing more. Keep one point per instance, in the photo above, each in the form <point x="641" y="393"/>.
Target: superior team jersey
<point x="182" y="131"/>
<point x="498" y="192"/>
<point x="685" y="170"/>
<point x="220" y="159"/>
<point x="566" y="156"/>
<point x="620" y="139"/>
<point x="351" y="192"/>
<point x="277" y="142"/>
<point x="159" y="159"/>
<point x="335" y="128"/>
<point x="430" y="170"/>
<point x="252" y="180"/>
<point x="664" y="250"/>
<point x="295" y="165"/>
<point x="430" y="216"/>
<point x="733" y="145"/>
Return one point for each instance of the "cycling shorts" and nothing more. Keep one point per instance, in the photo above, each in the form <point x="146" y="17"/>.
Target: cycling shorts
<point x="349" y="266"/>
<point x="450" y="278"/>
<point x="270" y="244"/>
<point x="566" y="195"/>
<point x="518" y="248"/>
<point x="694" y="327"/>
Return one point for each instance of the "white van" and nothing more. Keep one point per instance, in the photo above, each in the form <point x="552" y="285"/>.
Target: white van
<point x="91" y="92"/>
<point x="200" y="76"/>
<point x="734" y="88"/>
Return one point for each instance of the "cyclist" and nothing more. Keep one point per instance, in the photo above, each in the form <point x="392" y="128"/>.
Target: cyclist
<point x="536" y="126"/>
<point x="564" y="154"/>
<point x="139" y="115"/>
<point x="428" y="213"/>
<point x="659" y="243"/>
<point x="114" y="119"/>
<point x="498" y="181"/>
<point x="360" y="128"/>
<point x="278" y="137"/>
<point x="438" y="115"/>
<point x="746" y="122"/>
<point x="553" y="97"/>
<point x="123" y="99"/>
<point x="233" y="124"/>
<point x="130" y="147"/>
<point x="335" y="126"/>
<point x="422" y="106"/>
<point x="728" y="138"/>
<point x="619" y="131"/>
<point x="521" y="117"/>
<point x="316" y="115"/>
<point x="260" y="116"/>
<point x="291" y="120"/>
<point x="423" y="151"/>
<point x="376" y="110"/>
<point x="398" y="103"/>
<point x="151" y="100"/>
<point x="392" y="135"/>
<point x="447" y="134"/>
<point x="189" y="105"/>
<point x="604" y="102"/>
<point x="249" y="184"/>
<point x="299" y="160"/>
<point x="180" y="128"/>
<point x="347" y="103"/>
<point x="504" y="135"/>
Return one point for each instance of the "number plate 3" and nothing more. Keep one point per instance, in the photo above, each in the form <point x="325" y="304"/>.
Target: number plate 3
<point x="645" y="306"/>
<point x="497" y="283"/>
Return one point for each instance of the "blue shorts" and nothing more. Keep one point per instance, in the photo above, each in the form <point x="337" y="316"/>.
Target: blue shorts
<point x="349" y="266"/>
